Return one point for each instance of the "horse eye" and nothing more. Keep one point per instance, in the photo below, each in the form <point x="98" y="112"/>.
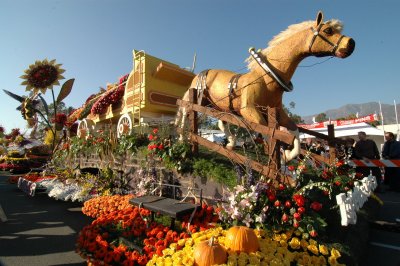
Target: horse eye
<point x="328" y="31"/>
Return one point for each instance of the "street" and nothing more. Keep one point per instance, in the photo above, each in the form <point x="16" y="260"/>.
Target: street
<point x="39" y="230"/>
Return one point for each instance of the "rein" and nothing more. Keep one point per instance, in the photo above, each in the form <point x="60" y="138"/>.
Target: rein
<point x="264" y="65"/>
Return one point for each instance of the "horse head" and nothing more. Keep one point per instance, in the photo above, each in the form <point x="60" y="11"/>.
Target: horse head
<point x="326" y="39"/>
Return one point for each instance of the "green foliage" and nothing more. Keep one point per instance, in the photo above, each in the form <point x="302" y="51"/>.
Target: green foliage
<point x="130" y="143"/>
<point x="221" y="173"/>
<point x="296" y="118"/>
<point x="178" y="156"/>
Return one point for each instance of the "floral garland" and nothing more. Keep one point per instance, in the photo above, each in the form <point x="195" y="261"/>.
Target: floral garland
<point x="279" y="249"/>
<point x="87" y="107"/>
<point x="112" y="96"/>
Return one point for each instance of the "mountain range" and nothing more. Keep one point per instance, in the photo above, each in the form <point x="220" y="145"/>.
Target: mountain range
<point x="362" y="109"/>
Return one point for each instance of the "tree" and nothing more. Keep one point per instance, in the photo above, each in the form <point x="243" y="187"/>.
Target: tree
<point x="350" y="116"/>
<point x="321" y="117"/>
<point x="61" y="108"/>
<point x="296" y="118"/>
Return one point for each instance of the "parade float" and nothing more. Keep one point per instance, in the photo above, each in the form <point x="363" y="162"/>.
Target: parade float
<point x="262" y="207"/>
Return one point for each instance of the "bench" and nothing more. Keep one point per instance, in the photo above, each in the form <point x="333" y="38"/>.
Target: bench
<point x="173" y="208"/>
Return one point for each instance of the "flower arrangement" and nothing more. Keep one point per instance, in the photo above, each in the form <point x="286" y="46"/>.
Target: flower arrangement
<point x="104" y="205"/>
<point x="117" y="237"/>
<point x="305" y="207"/>
<point x="277" y="249"/>
<point x="203" y="219"/>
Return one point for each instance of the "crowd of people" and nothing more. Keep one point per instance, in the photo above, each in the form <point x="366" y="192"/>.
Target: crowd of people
<point x="366" y="149"/>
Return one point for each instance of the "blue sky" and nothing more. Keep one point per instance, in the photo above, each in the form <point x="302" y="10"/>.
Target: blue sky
<point x="94" y="39"/>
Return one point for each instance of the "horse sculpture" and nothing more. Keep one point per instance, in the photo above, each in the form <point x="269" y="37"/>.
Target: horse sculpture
<point x="254" y="91"/>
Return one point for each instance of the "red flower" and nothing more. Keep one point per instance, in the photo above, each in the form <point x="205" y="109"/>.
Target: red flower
<point x="291" y="168"/>
<point x="155" y="131"/>
<point x="288" y="204"/>
<point x="301" y="210"/>
<point x="297" y="216"/>
<point x="285" y="218"/>
<point x="313" y="233"/>
<point x="316" y="206"/>
<point x="296" y="224"/>
<point x="277" y="203"/>
<point x="299" y="199"/>
<point x="281" y="187"/>
<point x="339" y="163"/>
<point x="338" y="183"/>
<point x="161" y="147"/>
<point x="151" y="137"/>
<point x="271" y="197"/>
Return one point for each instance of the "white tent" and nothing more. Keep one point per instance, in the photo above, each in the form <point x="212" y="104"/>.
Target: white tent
<point x="351" y="131"/>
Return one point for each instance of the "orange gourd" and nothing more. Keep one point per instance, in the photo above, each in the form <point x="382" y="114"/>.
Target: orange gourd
<point x="208" y="253"/>
<point x="242" y="239"/>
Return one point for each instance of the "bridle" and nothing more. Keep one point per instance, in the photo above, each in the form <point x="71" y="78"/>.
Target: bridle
<point x="317" y="34"/>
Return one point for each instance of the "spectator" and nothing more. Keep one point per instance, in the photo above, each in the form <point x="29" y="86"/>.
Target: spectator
<point x="349" y="148"/>
<point x="366" y="149"/>
<point x="391" y="151"/>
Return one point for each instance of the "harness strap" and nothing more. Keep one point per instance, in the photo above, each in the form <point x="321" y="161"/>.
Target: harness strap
<point x="263" y="63"/>
<point x="232" y="86"/>
<point x="201" y="85"/>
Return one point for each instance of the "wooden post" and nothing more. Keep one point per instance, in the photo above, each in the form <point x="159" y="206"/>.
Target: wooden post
<point x="193" y="119"/>
<point x="331" y="143"/>
<point x="273" y="144"/>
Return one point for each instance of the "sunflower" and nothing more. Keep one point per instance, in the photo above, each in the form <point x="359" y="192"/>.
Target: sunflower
<point x="42" y="75"/>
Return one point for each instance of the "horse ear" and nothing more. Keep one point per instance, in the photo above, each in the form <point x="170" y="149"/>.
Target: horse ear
<point x="320" y="18"/>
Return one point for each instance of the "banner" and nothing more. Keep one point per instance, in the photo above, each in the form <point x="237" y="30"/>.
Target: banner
<point x="368" y="118"/>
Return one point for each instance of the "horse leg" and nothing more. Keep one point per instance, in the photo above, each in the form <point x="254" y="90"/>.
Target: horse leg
<point x="181" y="116"/>
<point x="231" y="138"/>
<point x="285" y="121"/>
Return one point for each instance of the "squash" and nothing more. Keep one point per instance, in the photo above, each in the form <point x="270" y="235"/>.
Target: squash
<point x="241" y="239"/>
<point x="208" y="253"/>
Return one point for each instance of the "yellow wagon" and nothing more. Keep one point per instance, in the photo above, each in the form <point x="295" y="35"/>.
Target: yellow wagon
<point x="151" y="91"/>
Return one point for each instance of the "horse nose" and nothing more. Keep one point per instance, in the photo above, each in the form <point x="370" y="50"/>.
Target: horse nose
<point x="351" y="44"/>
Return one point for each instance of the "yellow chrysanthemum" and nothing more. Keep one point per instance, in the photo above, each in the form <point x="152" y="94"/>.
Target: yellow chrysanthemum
<point x="42" y="75"/>
<point x="294" y="243"/>
<point x="313" y="249"/>
<point x="335" y="253"/>
<point x="323" y="250"/>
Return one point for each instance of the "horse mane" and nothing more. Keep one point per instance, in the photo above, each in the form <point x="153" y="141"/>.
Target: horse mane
<point x="292" y="29"/>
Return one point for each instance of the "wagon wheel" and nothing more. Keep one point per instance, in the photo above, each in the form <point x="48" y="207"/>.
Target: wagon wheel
<point x="125" y="125"/>
<point x="85" y="128"/>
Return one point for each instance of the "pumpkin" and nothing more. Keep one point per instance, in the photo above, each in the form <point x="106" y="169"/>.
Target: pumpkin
<point x="208" y="253"/>
<point x="241" y="239"/>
